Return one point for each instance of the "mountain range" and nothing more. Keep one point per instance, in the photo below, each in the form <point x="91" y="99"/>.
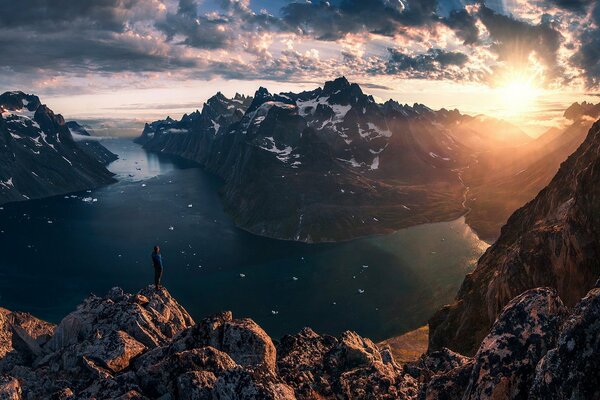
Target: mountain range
<point x="333" y="164"/>
<point x="39" y="156"/>
<point x="524" y="325"/>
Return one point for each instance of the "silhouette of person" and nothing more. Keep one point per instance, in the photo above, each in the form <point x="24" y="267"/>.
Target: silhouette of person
<point x="158" y="266"/>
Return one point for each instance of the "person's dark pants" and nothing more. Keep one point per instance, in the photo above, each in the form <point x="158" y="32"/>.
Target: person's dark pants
<point x="157" y="275"/>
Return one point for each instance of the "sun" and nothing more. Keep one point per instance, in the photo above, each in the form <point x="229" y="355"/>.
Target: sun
<point x="518" y="93"/>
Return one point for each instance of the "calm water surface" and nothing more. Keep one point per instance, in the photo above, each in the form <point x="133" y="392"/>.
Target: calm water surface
<point x="56" y="251"/>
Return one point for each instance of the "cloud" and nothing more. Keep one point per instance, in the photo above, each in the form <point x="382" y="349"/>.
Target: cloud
<point x="435" y="64"/>
<point x="464" y="25"/>
<point x="588" y="55"/>
<point x="514" y="41"/>
<point x="55" y="15"/>
<point x="220" y="29"/>
<point x="579" y="6"/>
<point x="84" y="36"/>
<point x="298" y="40"/>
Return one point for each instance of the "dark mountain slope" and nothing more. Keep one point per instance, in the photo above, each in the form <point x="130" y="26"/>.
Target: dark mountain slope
<point x="38" y="156"/>
<point x="330" y="164"/>
<point x="552" y="241"/>
<point x="504" y="178"/>
<point x="89" y="145"/>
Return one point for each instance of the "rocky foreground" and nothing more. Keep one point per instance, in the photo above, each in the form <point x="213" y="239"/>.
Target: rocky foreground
<point x="146" y="346"/>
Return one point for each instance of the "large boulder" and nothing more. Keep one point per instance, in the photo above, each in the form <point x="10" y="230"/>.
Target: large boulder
<point x="152" y="317"/>
<point x="301" y="363"/>
<point x="21" y="338"/>
<point x="572" y="369"/>
<point x="525" y="331"/>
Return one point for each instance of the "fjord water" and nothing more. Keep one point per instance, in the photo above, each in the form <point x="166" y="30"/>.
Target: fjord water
<point x="56" y="251"/>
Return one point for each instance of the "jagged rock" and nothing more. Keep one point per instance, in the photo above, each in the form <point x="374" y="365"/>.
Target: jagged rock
<point x="301" y="363"/>
<point x="94" y="355"/>
<point x="151" y="323"/>
<point x="346" y="367"/>
<point x="435" y="363"/>
<point x="450" y="385"/>
<point x="248" y="344"/>
<point x="10" y="388"/>
<point x="376" y="381"/>
<point x="250" y="385"/>
<point x="353" y="351"/>
<point x="195" y="385"/>
<point x="21" y="338"/>
<point x="115" y="350"/>
<point x="524" y="332"/>
<point x="160" y="376"/>
<point x="571" y="370"/>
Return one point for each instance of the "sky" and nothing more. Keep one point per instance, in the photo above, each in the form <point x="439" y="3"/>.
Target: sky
<point x="132" y="61"/>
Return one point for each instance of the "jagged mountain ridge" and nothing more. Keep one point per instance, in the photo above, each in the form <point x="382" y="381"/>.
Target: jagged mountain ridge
<point x="551" y="241"/>
<point x="146" y="346"/>
<point x="38" y="156"/>
<point x="330" y="163"/>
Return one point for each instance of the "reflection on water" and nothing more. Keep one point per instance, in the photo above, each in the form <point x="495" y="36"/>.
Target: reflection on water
<point x="58" y="250"/>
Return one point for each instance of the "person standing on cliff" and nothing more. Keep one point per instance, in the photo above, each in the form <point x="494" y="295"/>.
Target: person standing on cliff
<point x="158" y="266"/>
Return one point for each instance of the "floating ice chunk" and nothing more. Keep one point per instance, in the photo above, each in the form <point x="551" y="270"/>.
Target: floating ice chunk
<point x="365" y="266"/>
<point x="143" y="185"/>
<point x="49" y="221"/>
<point x="242" y="275"/>
<point x="87" y="199"/>
<point x="274" y="312"/>
<point x="360" y="291"/>
<point x="171" y="228"/>
<point x="294" y="278"/>
<point x="190" y="205"/>
<point x="94" y="200"/>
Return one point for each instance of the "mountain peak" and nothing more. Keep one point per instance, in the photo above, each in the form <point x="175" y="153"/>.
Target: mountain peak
<point x="336" y="85"/>
<point x="17" y="100"/>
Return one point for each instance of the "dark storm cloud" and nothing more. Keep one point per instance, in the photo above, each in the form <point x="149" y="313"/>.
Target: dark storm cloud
<point x="435" y="64"/>
<point x="82" y="36"/>
<point x="464" y="25"/>
<point x="326" y="21"/>
<point x="588" y="55"/>
<point x="573" y="5"/>
<point x="514" y="40"/>
<point x="104" y="52"/>
<point x="52" y="15"/>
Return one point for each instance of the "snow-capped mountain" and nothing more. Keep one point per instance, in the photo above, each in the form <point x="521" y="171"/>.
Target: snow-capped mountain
<point x="330" y="163"/>
<point x="38" y="156"/>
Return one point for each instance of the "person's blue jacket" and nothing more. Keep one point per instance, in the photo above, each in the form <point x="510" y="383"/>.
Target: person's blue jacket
<point x="157" y="260"/>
